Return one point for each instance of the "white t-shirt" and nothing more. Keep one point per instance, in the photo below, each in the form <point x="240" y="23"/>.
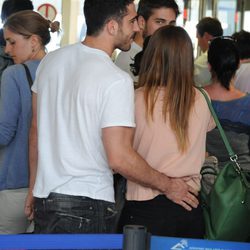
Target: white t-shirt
<point x="125" y="58"/>
<point x="79" y="92"/>
<point x="242" y="78"/>
<point x="202" y="75"/>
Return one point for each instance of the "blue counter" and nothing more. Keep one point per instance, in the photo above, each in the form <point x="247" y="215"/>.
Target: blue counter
<point x="108" y="241"/>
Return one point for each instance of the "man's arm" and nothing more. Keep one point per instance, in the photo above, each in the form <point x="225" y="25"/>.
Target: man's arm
<point x="202" y="75"/>
<point x="33" y="152"/>
<point x="123" y="159"/>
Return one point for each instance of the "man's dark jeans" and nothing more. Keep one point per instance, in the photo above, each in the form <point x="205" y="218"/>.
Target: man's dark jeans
<point x="61" y="213"/>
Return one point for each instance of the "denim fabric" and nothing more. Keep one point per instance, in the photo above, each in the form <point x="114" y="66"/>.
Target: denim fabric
<point x="15" y="118"/>
<point x="5" y="60"/>
<point x="61" y="213"/>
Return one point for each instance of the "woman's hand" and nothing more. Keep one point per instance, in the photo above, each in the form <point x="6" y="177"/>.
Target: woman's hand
<point x="29" y="206"/>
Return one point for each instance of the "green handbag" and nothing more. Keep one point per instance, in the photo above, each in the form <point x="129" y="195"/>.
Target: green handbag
<point x="226" y="208"/>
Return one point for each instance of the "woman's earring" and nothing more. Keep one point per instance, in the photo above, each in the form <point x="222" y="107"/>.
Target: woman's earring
<point x="33" y="50"/>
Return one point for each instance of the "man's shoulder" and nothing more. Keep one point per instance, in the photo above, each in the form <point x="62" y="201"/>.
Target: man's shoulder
<point x="127" y="56"/>
<point x="68" y="49"/>
<point x="116" y="73"/>
<point x="201" y="60"/>
<point x="59" y="57"/>
<point x="243" y="67"/>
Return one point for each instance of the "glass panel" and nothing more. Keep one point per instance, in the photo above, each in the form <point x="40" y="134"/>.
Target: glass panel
<point x="190" y="19"/>
<point x="246" y="23"/>
<point x="82" y="28"/>
<point x="226" y="10"/>
<point x="209" y="8"/>
<point x="180" y="18"/>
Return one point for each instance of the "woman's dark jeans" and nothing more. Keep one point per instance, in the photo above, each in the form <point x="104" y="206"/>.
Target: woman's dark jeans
<point x="163" y="217"/>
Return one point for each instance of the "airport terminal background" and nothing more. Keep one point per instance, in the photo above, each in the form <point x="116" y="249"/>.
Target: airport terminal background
<point x="233" y="14"/>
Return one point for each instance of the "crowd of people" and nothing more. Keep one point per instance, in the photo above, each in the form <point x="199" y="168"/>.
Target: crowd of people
<point x="71" y="120"/>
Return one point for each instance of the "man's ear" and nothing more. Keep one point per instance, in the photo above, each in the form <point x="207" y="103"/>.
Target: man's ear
<point x="141" y="22"/>
<point x="112" y="27"/>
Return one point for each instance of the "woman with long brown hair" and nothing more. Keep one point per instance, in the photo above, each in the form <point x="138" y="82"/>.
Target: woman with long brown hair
<point x="172" y="119"/>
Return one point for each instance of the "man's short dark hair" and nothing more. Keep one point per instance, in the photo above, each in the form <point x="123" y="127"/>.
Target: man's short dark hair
<point x="98" y="12"/>
<point x="242" y="39"/>
<point x="12" y="6"/>
<point x="146" y="7"/>
<point x="210" y="25"/>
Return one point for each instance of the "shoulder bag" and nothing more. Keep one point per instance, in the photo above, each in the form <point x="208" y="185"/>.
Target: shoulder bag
<point x="28" y="75"/>
<point x="226" y="207"/>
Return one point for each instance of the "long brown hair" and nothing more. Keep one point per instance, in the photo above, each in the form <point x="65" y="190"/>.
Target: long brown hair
<point x="168" y="63"/>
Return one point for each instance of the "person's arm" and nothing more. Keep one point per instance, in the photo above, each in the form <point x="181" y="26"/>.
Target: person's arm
<point x="33" y="154"/>
<point x="123" y="159"/>
<point x="10" y="107"/>
<point x="202" y="75"/>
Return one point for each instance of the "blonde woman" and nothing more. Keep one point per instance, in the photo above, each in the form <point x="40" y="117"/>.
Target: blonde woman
<point x="172" y="119"/>
<point x="26" y="33"/>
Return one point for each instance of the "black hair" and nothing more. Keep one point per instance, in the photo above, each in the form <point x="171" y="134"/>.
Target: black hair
<point x="135" y="66"/>
<point x="12" y="6"/>
<point x="242" y="39"/>
<point x="224" y="59"/>
<point x="146" y="7"/>
<point x="98" y="12"/>
<point x="210" y="25"/>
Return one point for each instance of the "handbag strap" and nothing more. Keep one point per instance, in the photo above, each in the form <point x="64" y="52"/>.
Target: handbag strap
<point x="233" y="157"/>
<point x="28" y="74"/>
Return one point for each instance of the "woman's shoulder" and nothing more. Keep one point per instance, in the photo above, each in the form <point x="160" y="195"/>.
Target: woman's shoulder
<point x="139" y="92"/>
<point x="12" y="76"/>
<point x="32" y="65"/>
<point x="242" y="103"/>
<point x="12" y="70"/>
<point x="199" y="96"/>
<point x="246" y="97"/>
<point x="235" y="102"/>
<point x="236" y="111"/>
<point x="32" y="62"/>
<point x="18" y="69"/>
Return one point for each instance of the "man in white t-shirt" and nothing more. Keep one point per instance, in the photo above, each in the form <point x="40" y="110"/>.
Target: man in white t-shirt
<point x="152" y="14"/>
<point x="207" y="29"/>
<point x="82" y="129"/>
